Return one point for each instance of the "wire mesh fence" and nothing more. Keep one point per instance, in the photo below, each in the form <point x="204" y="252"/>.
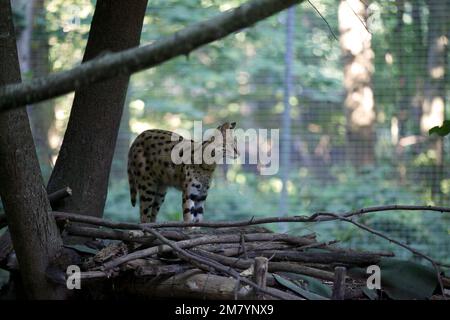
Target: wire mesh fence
<point x="357" y="109"/>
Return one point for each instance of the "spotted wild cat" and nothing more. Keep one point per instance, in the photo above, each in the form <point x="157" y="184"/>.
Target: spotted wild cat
<point x="152" y="169"/>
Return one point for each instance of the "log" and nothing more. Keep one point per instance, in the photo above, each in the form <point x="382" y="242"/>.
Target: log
<point x="339" y="284"/>
<point x="260" y="275"/>
<point x="192" y="284"/>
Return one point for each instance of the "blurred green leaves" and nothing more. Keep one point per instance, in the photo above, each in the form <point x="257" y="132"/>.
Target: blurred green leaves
<point x="442" y="130"/>
<point x="403" y="280"/>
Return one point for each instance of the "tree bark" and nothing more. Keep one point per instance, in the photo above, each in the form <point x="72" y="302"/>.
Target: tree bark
<point x="434" y="100"/>
<point x="85" y="157"/>
<point x="420" y="56"/>
<point x="433" y="109"/>
<point x="402" y="99"/>
<point x="34" y="233"/>
<point x="358" y="57"/>
<point x="286" y="117"/>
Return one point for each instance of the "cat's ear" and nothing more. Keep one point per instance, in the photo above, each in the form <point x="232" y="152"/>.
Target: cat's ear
<point x="226" y="126"/>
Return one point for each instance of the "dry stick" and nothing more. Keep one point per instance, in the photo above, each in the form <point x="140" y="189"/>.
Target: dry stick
<point x="316" y="217"/>
<point x="359" y="18"/>
<point x="297" y="268"/>
<point x="183" y="254"/>
<point x="74" y="217"/>
<point x="233" y="249"/>
<point x="244" y="250"/>
<point x="59" y="195"/>
<point x="381" y="235"/>
<point x="318" y="245"/>
<point x="122" y="235"/>
<point x="132" y="60"/>
<point x="355" y="258"/>
<point x="339" y="284"/>
<point x="325" y="20"/>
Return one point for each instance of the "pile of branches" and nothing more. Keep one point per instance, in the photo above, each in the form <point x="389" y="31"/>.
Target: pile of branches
<point x="219" y="263"/>
<point x="214" y="260"/>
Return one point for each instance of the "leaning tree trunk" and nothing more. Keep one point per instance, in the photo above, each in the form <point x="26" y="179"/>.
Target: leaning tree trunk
<point x="433" y="110"/>
<point x="419" y="50"/>
<point x="286" y="117"/>
<point x="85" y="157"/>
<point x="358" y="68"/>
<point x="34" y="233"/>
<point x="402" y="100"/>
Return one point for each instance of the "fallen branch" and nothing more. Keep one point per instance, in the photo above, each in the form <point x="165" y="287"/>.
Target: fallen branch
<point x="58" y="195"/>
<point x="126" y="236"/>
<point x="358" y="259"/>
<point x="136" y="59"/>
<point x="316" y="217"/>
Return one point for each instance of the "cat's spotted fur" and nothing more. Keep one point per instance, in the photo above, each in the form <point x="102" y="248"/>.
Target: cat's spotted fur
<point x="151" y="171"/>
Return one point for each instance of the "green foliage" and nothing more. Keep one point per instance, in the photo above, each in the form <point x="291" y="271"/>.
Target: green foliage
<point x="296" y="287"/>
<point x="311" y="284"/>
<point x="442" y="130"/>
<point x="241" y="77"/>
<point x="404" y="280"/>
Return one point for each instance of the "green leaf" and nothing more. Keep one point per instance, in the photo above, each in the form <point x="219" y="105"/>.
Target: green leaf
<point x="370" y="293"/>
<point x="313" y="285"/>
<point x="403" y="280"/>
<point x="292" y="286"/>
<point x="442" y="130"/>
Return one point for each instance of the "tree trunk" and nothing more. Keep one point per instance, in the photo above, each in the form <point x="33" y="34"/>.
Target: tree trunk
<point x="402" y="99"/>
<point x="286" y="117"/>
<point x="85" y="157"/>
<point x="358" y="57"/>
<point x="433" y="110"/>
<point x="34" y="233"/>
<point x="420" y="56"/>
